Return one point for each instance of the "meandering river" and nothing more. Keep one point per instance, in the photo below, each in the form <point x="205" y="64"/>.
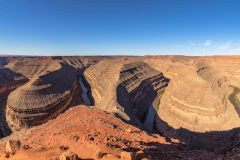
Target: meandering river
<point x="234" y="100"/>
<point x="84" y="94"/>
<point x="148" y="124"/>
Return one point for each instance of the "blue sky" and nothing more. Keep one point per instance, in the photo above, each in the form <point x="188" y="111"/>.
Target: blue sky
<point x="137" y="27"/>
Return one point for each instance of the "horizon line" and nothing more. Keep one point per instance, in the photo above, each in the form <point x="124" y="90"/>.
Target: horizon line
<point x="115" y="55"/>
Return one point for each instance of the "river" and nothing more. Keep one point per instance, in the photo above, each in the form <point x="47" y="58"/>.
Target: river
<point x="148" y="123"/>
<point x="84" y="94"/>
<point x="234" y="100"/>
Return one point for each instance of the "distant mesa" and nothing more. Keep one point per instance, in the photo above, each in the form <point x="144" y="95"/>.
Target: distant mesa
<point x="10" y="80"/>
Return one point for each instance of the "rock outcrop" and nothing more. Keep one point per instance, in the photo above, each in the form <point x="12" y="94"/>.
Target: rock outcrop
<point x="68" y="155"/>
<point x="53" y="86"/>
<point x="36" y="66"/>
<point x="200" y="105"/>
<point x="126" y="87"/>
<point x="10" y="80"/>
<point x="126" y="155"/>
<point x="81" y="62"/>
<point x="196" y="107"/>
<point x="89" y="133"/>
<point x="46" y="95"/>
<point x="94" y="131"/>
<point x="139" y="86"/>
<point x="12" y="146"/>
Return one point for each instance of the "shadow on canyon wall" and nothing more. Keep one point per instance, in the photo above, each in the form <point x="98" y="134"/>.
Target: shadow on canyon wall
<point x="4" y="127"/>
<point x="145" y="109"/>
<point x="218" y="141"/>
<point x="86" y="84"/>
<point x="142" y="110"/>
<point x="8" y="76"/>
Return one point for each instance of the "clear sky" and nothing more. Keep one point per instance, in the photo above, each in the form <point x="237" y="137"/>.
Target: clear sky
<point x="138" y="27"/>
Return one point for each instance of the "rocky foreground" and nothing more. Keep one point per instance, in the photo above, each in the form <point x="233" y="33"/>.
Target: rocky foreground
<point x="159" y="107"/>
<point x="95" y="134"/>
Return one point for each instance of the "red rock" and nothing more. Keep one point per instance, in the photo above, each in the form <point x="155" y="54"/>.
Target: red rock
<point x="126" y="155"/>
<point x="68" y="156"/>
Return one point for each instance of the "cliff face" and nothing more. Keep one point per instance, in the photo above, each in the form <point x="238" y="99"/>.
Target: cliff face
<point x="139" y="86"/>
<point x="200" y="105"/>
<point x="196" y="105"/>
<point x="3" y="61"/>
<point x="80" y="61"/>
<point x="127" y="88"/>
<point x="9" y="81"/>
<point x="52" y="88"/>
<point x="31" y="67"/>
<point x="43" y="97"/>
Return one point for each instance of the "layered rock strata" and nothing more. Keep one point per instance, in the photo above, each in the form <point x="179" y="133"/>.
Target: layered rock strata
<point x="139" y="86"/>
<point x="103" y="79"/>
<point x="196" y="107"/>
<point x="31" y="67"/>
<point x="125" y="87"/>
<point x="43" y="97"/>
<point x="9" y="81"/>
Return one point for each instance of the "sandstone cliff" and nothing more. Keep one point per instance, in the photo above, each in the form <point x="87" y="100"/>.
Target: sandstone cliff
<point x="9" y="81"/>
<point x="196" y="105"/>
<point x="125" y="87"/>
<point x="48" y="93"/>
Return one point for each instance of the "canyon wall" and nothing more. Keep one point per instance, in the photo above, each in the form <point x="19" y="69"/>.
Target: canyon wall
<point x="139" y="86"/>
<point x="196" y="106"/>
<point x="52" y="88"/>
<point x="9" y="81"/>
<point x="127" y="88"/>
<point x="196" y="98"/>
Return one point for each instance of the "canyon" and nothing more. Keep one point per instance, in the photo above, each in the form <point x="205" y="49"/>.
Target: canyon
<point x="154" y="107"/>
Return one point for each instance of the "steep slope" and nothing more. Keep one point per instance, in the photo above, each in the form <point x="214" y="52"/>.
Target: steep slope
<point x="35" y="66"/>
<point x="196" y="107"/>
<point x="52" y="88"/>
<point x="200" y="105"/>
<point x="126" y="87"/>
<point x="95" y="131"/>
<point x="80" y="61"/>
<point x="99" y="135"/>
<point x="9" y="81"/>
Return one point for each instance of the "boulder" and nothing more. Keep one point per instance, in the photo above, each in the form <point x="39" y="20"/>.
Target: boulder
<point x="68" y="156"/>
<point x="100" y="154"/>
<point x="126" y="155"/>
<point x="12" y="146"/>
